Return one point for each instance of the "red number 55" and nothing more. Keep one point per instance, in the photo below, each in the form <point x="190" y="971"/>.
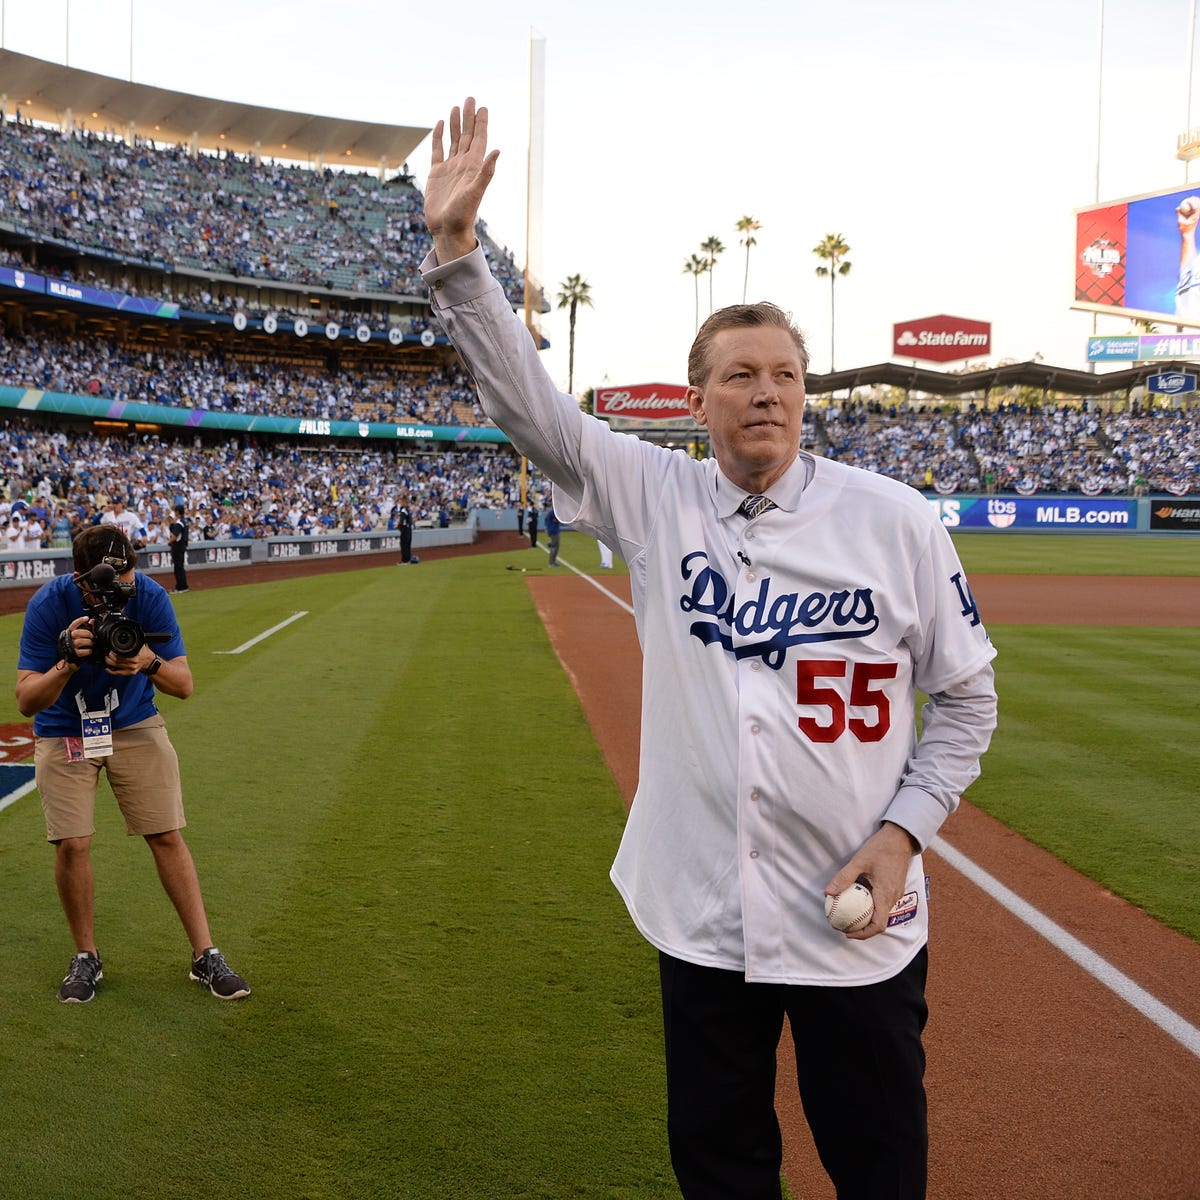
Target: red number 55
<point x="808" y="671"/>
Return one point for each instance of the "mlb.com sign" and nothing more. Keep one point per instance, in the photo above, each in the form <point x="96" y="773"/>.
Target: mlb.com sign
<point x="1000" y="512"/>
<point x="942" y="339"/>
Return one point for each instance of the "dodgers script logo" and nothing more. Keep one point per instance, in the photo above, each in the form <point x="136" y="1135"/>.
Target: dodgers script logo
<point x="785" y="620"/>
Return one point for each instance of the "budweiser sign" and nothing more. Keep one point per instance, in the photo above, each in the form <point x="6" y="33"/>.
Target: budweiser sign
<point x="942" y="339"/>
<point x="643" y="402"/>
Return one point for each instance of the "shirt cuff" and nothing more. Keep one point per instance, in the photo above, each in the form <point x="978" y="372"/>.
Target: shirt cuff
<point x="459" y="281"/>
<point x="918" y="813"/>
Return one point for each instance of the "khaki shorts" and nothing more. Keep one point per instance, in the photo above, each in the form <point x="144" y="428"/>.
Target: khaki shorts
<point x="143" y="771"/>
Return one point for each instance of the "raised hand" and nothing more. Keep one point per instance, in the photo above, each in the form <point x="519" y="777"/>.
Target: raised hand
<point x="1187" y="214"/>
<point x="457" y="181"/>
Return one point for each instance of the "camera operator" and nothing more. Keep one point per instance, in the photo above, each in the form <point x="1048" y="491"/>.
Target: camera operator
<point x="91" y="714"/>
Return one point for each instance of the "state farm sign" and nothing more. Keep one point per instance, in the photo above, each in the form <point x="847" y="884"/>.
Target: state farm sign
<point x="942" y="339"/>
<point x="643" y="402"/>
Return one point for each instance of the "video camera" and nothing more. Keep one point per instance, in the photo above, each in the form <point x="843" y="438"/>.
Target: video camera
<point x="111" y="631"/>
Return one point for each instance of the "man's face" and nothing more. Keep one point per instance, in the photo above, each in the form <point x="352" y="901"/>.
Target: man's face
<point x="752" y="404"/>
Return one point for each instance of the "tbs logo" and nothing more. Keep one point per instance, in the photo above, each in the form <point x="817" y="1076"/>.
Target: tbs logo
<point x="1001" y="513"/>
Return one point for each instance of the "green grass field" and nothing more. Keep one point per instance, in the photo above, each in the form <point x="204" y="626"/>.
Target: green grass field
<point x="403" y="827"/>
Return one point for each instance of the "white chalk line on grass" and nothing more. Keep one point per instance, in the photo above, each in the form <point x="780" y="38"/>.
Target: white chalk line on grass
<point x="16" y="794"/>
<point x="1169" y="1021"/>
<point x="264" y="635"/>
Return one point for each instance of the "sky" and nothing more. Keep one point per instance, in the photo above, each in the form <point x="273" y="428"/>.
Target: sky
<point x="948" y="143"/>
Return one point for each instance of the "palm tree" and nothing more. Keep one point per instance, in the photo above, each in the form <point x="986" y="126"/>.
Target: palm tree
<point x="696" y="266"/>
<point x="711" y="247"/>
<point x="832" y="249"/>
<point x="746" y="226"/>
<point x="575" y="291"/>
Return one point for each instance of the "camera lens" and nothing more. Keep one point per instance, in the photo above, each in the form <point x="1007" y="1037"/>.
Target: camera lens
<point x="125" y="638"/>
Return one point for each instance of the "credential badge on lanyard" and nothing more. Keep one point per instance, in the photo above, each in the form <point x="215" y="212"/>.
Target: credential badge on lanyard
<point x="96" y="727"/>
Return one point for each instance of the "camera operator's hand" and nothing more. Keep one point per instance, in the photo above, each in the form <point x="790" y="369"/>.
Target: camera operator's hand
<point x="135" y="664"/>
<point x="75" y="642"/>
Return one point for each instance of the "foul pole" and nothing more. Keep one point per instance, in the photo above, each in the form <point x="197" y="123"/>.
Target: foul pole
<point x="533" y="200"/>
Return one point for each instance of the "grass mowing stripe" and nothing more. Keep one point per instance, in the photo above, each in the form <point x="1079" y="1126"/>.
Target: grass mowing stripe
<point x="405" y="825"/>
<point x="1064" y="554"/>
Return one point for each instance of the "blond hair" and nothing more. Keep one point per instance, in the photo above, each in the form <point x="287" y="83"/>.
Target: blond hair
<point x="740" y="316"/>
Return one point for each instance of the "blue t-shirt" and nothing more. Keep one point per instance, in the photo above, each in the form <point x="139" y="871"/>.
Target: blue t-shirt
<point x="51" y="609"/>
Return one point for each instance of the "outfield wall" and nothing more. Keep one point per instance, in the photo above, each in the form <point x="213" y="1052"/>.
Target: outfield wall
<point x="1167" y="516"/>
<point x="30" y="567"/>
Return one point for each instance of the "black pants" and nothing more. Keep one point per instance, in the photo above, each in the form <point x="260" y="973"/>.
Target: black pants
<point x="179" y="562"/>
<point x="860" y="1065"/>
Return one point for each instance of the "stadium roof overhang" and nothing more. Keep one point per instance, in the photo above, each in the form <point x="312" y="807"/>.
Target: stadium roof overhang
<point x="1061" y="380"/>
<point x="55" y="94"/>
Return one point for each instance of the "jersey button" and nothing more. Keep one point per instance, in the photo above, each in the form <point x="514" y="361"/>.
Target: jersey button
<point x="754" y="728"/>
<point x="753" y="853"/>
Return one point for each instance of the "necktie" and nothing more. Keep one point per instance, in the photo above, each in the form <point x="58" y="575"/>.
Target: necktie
<point x="755" y="506"/>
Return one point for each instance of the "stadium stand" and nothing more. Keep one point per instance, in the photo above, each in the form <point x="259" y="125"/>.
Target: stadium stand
<point x="68" y="478"/>
<point x="208" y="245"/>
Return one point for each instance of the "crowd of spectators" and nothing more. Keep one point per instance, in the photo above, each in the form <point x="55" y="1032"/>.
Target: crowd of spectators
<point x="223" y="214"/>
<point x="1053" y="448"/>
<point x="235" y="489"/>
<point x="355" y="235"/>
<point x="218" y="379"/>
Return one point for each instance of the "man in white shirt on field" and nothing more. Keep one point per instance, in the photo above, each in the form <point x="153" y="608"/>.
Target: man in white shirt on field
<point x="788" y="608"/>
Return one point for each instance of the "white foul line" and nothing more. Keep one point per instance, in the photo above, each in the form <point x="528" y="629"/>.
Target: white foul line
<point x="265" y="634"/>
<point x="1166" y="1019"/>
<point x="1169" y="1021"/>
<point x="14" y="796"/>
<point x="599" y="587"/>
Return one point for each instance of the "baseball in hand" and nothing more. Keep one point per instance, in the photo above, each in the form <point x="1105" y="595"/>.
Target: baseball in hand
<point x="851" y="910"/>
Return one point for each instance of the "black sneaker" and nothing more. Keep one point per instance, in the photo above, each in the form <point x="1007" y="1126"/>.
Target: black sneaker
<point x="214" y="972"/>
<point x="80" y="984"/>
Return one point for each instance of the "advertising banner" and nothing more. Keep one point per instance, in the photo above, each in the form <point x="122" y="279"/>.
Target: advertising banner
<point x="1144" y="347"/>
<point x="34" y="568"/>
<point x="1180" y="516"/>
<point x="26" y="281"/>
<point x="644" y="402"/>
<point x="78" y="293"/>
<point x="942" y="338"/>
<point x="101" y="408"/>
<point x="1138" y="256"/>
<point x="316" y="547"/>
<point x="1036" y="512"/>
<point x="1171" y="383"/>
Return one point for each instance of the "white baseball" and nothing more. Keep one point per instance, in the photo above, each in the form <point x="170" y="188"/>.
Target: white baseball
<point x="850" y="910"/>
